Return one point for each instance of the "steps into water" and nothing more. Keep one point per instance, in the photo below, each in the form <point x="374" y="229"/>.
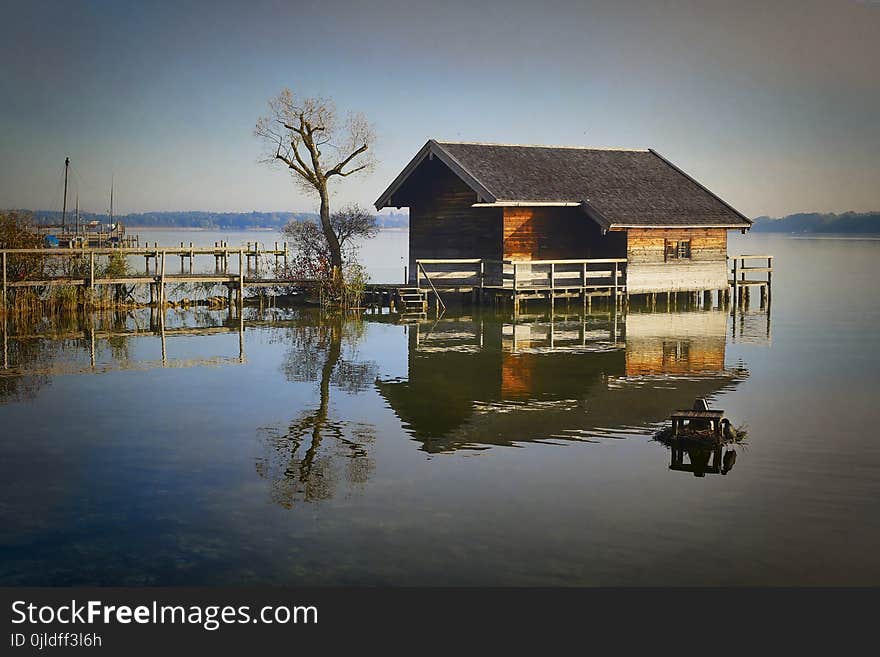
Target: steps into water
<point x="413" y="302"/>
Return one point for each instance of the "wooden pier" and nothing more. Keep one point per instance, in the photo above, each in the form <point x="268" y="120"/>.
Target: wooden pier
<point x="744" y="267"/>
<point x="480" y="281"/>
<point x="158" y="270"/>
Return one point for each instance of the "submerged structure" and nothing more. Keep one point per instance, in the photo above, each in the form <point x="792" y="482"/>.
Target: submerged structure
<point x="542" y="221"/>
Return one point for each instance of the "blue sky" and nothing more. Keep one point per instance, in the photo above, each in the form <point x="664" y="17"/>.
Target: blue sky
<point x="774" y="105"/>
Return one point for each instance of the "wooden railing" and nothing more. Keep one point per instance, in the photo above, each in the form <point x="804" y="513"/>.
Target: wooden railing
<point x="524" y="275"/>
<point x="87" y="275"/>
<point x="743" y="278"/>
<point x="742" y="271"/>
<point x="457" y="272"/>
<point x="589" y="274"/>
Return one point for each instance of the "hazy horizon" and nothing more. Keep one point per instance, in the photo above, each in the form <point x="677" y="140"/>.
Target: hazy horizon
<point x="773" y="107"/>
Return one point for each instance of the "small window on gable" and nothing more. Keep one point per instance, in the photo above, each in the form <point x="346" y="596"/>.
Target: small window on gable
<point x="677" y="250"/>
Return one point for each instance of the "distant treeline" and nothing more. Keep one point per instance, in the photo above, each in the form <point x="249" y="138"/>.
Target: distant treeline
<point x="815" y="222"/>
<point x="211" y="220"/>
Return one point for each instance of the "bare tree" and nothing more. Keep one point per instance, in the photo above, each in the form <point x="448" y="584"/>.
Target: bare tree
<point x="306" y="135"/>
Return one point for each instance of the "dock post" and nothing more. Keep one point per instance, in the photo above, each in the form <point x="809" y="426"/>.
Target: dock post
<point x="92" y="275"/>
<point x="240" y="280"/>
<point x="735" y="291"/>
<point x="162" y="284"/>
<point x="4" y="283"/>
<point x="615" y="284"/>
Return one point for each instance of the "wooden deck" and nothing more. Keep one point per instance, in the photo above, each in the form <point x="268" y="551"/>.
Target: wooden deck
<point x="524" y="280"/>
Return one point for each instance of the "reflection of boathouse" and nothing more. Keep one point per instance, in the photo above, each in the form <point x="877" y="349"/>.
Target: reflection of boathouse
<point x="479" y="381"/>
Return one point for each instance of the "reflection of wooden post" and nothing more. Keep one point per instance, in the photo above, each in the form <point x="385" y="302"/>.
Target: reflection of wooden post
<point x="614" y="322"/>
<point x="4" y="285"/>
<point x="162" y="337"/>
<point x="240" y="337"/>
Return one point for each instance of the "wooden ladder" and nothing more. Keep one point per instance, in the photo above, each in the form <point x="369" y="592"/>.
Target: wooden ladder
<point x="412" y="302"/>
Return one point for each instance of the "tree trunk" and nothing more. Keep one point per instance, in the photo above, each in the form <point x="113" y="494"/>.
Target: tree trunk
<point x="330" y="236"/>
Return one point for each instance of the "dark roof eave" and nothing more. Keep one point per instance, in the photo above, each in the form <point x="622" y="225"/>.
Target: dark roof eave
<point x="433" y="148"/>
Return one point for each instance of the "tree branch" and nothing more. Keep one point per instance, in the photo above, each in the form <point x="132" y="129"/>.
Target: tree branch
<point x="348" y="173"/>
<point x="337" y="170"/>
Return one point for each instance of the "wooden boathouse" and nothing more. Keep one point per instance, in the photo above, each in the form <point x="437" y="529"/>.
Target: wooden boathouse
<point x="523" y="222"/>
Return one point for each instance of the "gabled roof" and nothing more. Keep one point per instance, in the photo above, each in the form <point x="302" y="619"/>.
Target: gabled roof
<point x="617" y="188"/>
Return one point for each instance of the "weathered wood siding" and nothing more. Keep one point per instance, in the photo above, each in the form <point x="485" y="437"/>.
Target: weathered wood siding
<point x="442" y="222"/>
<point x="648" y="271"/>
<point x="556" y="233"/>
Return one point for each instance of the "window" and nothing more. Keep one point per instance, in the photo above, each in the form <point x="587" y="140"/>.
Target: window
<point x="677" y="250"/>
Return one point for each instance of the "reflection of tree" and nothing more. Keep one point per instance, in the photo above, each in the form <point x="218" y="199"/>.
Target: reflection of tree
<point x="301" y="463"/>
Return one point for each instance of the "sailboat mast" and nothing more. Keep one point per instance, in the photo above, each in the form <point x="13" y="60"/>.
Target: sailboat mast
<point x="111" y="200"/>
<point x="76" y="229"/>
<point x="64" y="206"/>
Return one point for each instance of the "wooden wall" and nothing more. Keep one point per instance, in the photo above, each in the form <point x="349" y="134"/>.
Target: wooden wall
<point x="645" y="245"/>
<point x="556" y="233"/>
<point x="648" y="271"/>
<point x="442" y="222"/>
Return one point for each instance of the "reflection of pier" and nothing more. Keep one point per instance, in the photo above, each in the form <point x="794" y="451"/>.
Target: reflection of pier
<point x="524" y="333"/>
<point x="89" y="335"/>
<point x="479" y="381"/>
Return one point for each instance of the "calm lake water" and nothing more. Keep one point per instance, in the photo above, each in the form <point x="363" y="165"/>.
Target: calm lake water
<point x="290" y="448"/>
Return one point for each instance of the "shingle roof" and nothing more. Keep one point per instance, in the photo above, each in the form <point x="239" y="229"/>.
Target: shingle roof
<point x="616" y="187"/>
